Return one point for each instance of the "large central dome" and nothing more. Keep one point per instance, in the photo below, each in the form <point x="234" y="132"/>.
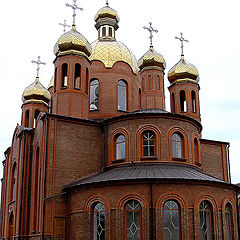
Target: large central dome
<point x="110" y="52"/>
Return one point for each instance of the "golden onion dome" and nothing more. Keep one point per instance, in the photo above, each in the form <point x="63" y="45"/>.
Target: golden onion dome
<point x="110" y="52"/>
<point x="72" y="42"/>
<point x="183" y="71"/>
<point x="152" y="58"/>
<point x="107" y="12"/>
<point x="36" y="93"/>
<point x="51" y="83"/>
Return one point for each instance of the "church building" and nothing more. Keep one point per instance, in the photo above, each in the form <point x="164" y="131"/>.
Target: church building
<point x="98" y="157"/>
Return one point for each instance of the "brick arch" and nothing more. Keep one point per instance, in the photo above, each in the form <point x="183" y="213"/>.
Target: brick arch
<point x="120" y="216"/>
<point x="225" y="201"/>
<point x="138" y="141"/>
<point x="160" y="214"/>
<point x="112" y="144"/>
<point x="216" y="219"/>
<point x="171" y="131"/>
<point x="89" y="215"/>
<point x="199" y="162"/>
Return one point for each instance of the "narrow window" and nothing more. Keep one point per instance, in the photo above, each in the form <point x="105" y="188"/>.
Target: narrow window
<point x="110" y="31"/>
<point x="122" y="96"/>
<point x="94" y="95"/>
<point x="133" y="220"/>
<point x="104" y="31"/>
<point x="158" y="83"/>
<point x="177" y="145"/>
<point x="27" y="118"/>
<point x="99" y="222"/>
<point x="205" y="221"/>
<point x="35" y="117"/>
<point x="64" y="75"/>
<point x="14" y="181"/>
<point x="173" y="103"/>
<point x="229" y="222"/>
<point x="171" y="221"/>
<point x="120" y="147"/>
<point x="196" y="155"/>
<point x="77" y="76"/>
<point x="183" y="102"/>
<point x="194" y="109"/>
<point x="87" y="79"/>
<point x="148" y="144"/>
<point x="140" y="99"/>
<point x="149" y="82"/>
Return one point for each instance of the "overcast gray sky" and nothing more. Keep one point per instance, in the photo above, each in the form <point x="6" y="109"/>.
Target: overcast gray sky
<point x="30" y="28"/>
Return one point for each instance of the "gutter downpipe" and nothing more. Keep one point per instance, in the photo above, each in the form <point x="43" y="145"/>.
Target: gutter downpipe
<point x="45" y="179"/>
<point x="152" y="217"/>
<point x="105" y="129"/>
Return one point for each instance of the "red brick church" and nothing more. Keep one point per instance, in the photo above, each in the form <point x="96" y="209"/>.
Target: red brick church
<point x="98" y="157"/>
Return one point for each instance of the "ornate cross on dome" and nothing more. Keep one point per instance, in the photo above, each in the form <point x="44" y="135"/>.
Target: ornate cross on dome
<point x="182" y="40"/>
<point x="38" y="62"/>
<point x="74" y="7"/>
<point x="64" y="25"/>
<point x="151" y="30"/>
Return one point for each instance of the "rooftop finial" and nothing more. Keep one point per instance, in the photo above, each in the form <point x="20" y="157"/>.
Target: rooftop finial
<point x="182" y="40"/>
<point x="107" y="3"/>
<point x="74" y="7"/>
<point x="64" y="25"/>
<point x="151" y="30"/>
<point x="38" y="62"/>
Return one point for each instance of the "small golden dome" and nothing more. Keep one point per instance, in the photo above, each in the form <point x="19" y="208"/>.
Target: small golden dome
<point x="110" y="52"/>
<point x="51" y="83"/>
<point x="107" y="12"/>
<point x="183" y="71"/>
<point x="152" y="58"/>
<point x="36" y="93"/>
<point x="72" y="42"/>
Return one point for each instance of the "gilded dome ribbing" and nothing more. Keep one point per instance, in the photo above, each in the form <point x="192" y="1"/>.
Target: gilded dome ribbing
<point x="152" y="58"/>
<point x="110" y="52"/>
<point x="183" y="71"/>
<point x="36" y="93"/>
<point x="72" y="42"/>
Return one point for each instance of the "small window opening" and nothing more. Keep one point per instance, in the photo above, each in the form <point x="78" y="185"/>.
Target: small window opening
<point x="64" y="75"/>
<point x="27" y="118"/>
<point x="104" y="32"/>
<point x="194" y="108"/>
<point x="110" y="31"/>
<point x="183" y="102"/>
<point x="177" y="145"/>
<point x="148" y="144"/>
<point x="35" y="117"/>
<point x="77" y="76"/>
<point x="173" y="103"/>
<point x="149" y="82"/>
<point x="94" y="95"/>
<point x="55" y="79"/>
<point x="122" y="96"/>
<point x="120" y="147"/>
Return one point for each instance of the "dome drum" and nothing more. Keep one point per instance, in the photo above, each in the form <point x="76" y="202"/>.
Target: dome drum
<point x="106" y="21"/>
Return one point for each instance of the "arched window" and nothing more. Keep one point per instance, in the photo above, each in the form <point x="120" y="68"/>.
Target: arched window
<point x="183" y="102"/>
<point x="77" y="76"/>
<point x="196" y="155"/>
<point x="193" y="95"/>
<point x="64" y="75"/>
<point x="171" y="221"/>
<point x="94" y="95"/>
<point x="158" y="83"/>
<point x="35" y="117"/>
<point x="99" y="222"/>
<point x="110" y="31"/>
<point x="229" y="222"/>
<point x="133" y="212"/>
<point x="11" y="226"/>
<point x="120" y="147"/>
<point x="177" y="145"/>
<point x="148" y="143"/>
<point x="14" y="181"/>
<point x="27" y="118"/>
<point x="122" y="95"/>
<point x="149" y="82"/>
<point x="104" y="32"/>
<point x="206" y="221"/>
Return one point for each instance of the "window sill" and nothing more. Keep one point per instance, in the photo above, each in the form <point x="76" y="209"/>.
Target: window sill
<point x="62" y="88"/>
<point x="179" y="159"/>
<point x="118" y="160"/>
<point x="149" y="158"/>
<point x="125" y="111"/>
